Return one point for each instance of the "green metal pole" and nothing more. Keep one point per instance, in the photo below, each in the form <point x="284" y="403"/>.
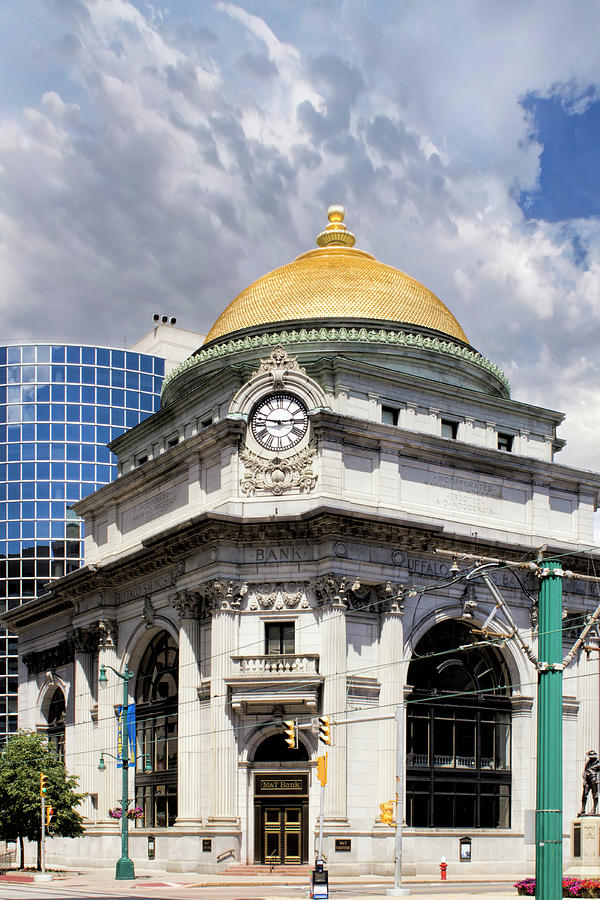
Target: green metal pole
<point x="548" y="817"/>
<point x="125" y="871"/>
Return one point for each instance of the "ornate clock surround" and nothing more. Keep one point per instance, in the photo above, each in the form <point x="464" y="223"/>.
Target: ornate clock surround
<point x="277" y="375"/>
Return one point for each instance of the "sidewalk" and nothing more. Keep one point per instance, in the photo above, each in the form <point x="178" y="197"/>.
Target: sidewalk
<point x="275" y="887"/>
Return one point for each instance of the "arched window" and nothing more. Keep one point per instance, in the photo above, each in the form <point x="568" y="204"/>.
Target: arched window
<point x="156" y="730"/>
<point x="458" y="766"/>
<point x="56" y="723"/>
<point x="275" y="749"/>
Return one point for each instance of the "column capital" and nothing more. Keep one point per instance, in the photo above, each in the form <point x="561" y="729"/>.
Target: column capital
<point x="187" y="605"/>
<point x="390" y="598"/>
<point x="336" y="591"/>
<point x="222" y="595"/>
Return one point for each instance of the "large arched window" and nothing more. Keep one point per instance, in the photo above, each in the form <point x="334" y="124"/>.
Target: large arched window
<point x="56" y="723"/>
<point x="156" y="728"/>
<point x="458" y="766"/>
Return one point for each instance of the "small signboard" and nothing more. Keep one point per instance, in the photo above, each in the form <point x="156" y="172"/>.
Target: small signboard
<point x="465" y="849"/>
<point x="206" y="845"/>
<point x="343" y="845"/>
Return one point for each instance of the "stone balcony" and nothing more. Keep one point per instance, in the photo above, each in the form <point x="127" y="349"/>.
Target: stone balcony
<point x="260" y="682"/>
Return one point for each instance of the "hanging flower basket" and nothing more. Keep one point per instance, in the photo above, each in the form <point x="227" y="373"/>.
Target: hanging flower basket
<point x="135" y="813"/>
<point x="116" y="812"/>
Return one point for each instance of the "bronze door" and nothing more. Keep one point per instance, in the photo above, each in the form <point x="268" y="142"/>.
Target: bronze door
<point x="282" y="835"/>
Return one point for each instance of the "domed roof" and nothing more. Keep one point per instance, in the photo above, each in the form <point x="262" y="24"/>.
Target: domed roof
<point x="336" y="282"/>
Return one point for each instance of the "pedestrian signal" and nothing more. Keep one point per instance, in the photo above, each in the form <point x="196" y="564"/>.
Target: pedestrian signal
<point x="324" y="730"/>
<point x="49" y="814"/>
<point x="289" y="729"/>
<point x="386" y="815"/>
<point x="43" y="784"/>
<point x="322" y="769"/>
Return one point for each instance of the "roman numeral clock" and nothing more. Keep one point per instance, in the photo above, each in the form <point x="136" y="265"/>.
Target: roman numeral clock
<point x="279" y="449"/>
<point x="279" y="421"/>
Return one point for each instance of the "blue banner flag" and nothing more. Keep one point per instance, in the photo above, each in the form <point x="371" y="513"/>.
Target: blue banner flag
<point x="130" y="734"/>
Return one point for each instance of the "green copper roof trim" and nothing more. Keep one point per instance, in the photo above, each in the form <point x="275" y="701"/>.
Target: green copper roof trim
<point x="362" y="335"/>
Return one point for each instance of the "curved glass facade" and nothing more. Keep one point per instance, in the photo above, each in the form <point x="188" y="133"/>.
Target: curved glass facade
<point x="59" y="407"/>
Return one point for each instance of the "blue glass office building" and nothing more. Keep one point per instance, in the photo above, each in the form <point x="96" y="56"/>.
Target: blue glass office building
<point x="59" y="407"/>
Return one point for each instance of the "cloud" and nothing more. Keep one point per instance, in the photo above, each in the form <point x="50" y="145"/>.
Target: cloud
<point x="166" y="158"/>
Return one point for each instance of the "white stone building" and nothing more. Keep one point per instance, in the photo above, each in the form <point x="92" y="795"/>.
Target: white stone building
<point x="270" y="551"/>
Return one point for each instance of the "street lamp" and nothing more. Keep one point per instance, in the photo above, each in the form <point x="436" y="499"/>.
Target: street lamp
<point x="124" y="870"/>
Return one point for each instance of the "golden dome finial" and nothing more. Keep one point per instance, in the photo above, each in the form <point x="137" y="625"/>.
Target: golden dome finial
<point x="336" y="234"/>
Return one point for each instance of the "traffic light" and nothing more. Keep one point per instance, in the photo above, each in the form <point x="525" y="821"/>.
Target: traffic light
<point x="289" y="729"/>
<point x="324" y="730"/>
<point x="43" y="784"/>
<point x="387" y="812"/>
<point x="322" y="769"/>
<point x="49" y="814"/>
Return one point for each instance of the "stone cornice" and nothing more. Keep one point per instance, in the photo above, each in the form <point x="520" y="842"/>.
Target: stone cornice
<point x="209" y="529"/>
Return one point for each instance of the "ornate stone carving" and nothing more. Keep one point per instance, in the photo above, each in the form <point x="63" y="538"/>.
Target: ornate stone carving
<point x="469" y="601"/>
<point x="390" y="598"/>
<point x="148" y="612"/>
<point x="277" y="475"/>
<point x="336" y="590"/>
<point x="271" y="595"/>
<point x="361" y="335"/>
<point x="83" y="640"/>
<point x="187" y="605"/>
<point x="220" y="595"/>
<point x="278" y="365"/>
<point x="48" y="660"/>
<point x="107" y="634"/>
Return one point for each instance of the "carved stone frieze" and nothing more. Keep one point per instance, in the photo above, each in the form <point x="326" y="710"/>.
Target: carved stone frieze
<point x="277" y="475"/>
<point x="47" y="660"/>
<point x="273" y="595"/>
<point x="278" y="365"/>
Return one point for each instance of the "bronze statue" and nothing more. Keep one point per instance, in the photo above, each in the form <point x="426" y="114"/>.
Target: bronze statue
<point x="590" y="782"/>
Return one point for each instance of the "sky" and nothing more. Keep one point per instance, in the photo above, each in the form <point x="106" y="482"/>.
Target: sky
<point x="157" y="158"/>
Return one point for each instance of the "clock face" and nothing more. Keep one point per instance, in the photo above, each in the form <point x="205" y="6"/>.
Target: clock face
<point x="279" y="421"/>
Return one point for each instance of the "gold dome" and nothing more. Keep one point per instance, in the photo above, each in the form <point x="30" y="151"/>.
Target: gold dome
<point x="336" y="282"/>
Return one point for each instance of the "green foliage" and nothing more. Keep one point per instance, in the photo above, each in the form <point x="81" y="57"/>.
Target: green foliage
<point x="24" y="756"/>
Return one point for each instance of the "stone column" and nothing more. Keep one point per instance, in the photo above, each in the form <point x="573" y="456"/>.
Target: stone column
<point x="85" y="758"/>
<point x="224" y="598"/>
<point x="189" y="774"/>
<point x="333" y="595"/>
<point x="392" y="677"/>
<point x="109" y="782"/>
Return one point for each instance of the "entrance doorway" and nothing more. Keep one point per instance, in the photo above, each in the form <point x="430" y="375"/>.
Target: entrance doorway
<point x="282" y="835"/>
<point x="281" y="819"/>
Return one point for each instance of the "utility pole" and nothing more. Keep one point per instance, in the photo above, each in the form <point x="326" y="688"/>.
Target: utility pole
<point x="398" y="890"/>
<point x="548" y="814"/>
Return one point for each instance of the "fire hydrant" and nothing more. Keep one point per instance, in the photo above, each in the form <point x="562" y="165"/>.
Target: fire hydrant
<point x="443" y="867"/>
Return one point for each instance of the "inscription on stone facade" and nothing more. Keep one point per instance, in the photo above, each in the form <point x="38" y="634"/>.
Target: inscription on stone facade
<point x="151" y="586"/>
<point x="465" y="494"/>
<point x="276" y="554"/>
<point x="154" y="508"/>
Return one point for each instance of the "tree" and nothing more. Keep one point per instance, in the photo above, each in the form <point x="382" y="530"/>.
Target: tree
<point x="23" y="758"/>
